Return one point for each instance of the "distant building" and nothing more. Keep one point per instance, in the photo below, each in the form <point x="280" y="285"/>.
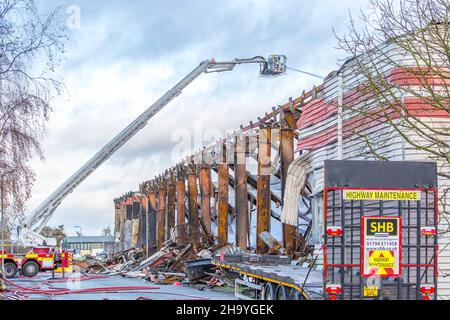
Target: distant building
<point x="89" y="244"/>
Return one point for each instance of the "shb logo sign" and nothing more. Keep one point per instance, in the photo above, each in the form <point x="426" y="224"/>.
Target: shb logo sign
<point x="382" y="227"/>
<point x="381" y="246"/>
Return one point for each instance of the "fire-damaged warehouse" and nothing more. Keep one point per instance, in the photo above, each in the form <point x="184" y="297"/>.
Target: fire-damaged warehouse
<point x="263" y="191"/>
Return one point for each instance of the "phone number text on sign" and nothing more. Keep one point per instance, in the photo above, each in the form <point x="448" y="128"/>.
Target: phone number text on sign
<point x="381" y="244"/>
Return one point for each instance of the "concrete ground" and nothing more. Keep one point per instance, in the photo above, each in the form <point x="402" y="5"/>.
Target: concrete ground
<point x="165" y="292"/>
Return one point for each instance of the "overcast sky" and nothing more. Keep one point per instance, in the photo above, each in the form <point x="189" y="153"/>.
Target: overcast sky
<point x="125" y="54"/>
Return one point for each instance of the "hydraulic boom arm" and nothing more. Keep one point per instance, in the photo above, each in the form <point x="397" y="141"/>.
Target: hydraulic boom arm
<point x="29" y="230"/>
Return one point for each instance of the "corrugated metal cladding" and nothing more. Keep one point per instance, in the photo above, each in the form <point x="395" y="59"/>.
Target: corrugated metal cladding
<point x="318" y="142"/>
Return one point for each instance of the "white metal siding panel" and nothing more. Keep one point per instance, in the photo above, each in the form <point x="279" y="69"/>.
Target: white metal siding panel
<point x="387" y="144"/>
<point x="444" y="237"/>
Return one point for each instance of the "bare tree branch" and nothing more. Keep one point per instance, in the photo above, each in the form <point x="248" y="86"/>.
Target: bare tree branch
<point x="31" y="46"/>
<point x="400" y="55"/>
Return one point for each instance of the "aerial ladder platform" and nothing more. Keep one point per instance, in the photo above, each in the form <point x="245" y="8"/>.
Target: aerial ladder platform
<point x="28" y="231"/>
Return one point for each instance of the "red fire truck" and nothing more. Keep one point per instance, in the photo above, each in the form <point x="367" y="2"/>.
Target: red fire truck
<point x="39" y="259"/>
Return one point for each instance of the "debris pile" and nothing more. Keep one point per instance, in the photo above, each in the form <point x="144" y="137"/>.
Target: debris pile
<point x="117" y="263"/>
<point x="172" y="265"/>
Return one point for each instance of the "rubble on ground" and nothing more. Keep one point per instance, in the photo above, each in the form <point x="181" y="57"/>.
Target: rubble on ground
<point x="174" y="265"/>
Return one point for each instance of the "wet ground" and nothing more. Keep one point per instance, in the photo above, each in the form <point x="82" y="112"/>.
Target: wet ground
<point x="162" y="292"/>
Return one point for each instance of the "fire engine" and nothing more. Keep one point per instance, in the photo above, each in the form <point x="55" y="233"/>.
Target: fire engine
<point x="39" y="259"/>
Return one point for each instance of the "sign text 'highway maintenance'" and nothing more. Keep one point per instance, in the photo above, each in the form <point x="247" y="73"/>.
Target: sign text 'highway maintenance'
<point x="382" y="195"/>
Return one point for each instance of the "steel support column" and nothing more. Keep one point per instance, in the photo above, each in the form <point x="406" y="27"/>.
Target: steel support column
<point x="170" y="204"/>
<point x="287" y="156"/>
<point x="171" y="195"/>
<point x="161" y="216"/>
<point x="181" y="212"/>
<point x="240" y="191"/>
<point x="263" y="195"/>
<point x="123" y="219"/>
<point x="224" y="176"/>
<point x="117" y="206"/>
<point x="144" y="211"/>
<point x="194" y="225"/>
<point x="205" y="192"/>
<point x="152" y="219"/>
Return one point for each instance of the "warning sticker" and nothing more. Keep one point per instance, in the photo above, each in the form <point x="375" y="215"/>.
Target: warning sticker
<point x="381" y="246"/>
<point x="382" y="262"/>
<point x="382" y="195"/>
<point x="370" y="291"/>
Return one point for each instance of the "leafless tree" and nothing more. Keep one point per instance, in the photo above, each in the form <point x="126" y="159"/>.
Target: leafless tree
<point x="107" y="232"/>
<point x="57" y="233"/>
<point x="31" y="46"/>
<point x="400" y="52"/>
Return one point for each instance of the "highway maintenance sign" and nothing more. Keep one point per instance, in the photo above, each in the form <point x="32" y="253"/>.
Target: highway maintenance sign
<point x="398" y="195"/>
<point x="381" y="246"/>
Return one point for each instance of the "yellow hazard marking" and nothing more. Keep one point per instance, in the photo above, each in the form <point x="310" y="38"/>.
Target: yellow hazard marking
<point x="69" y="267"/>
<point x="370" y="291"/>
<point x="381" y="195"/>
<point x="382" y="259"/>
<point x="66" y="269"/>
<point x="223" y="265"/>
